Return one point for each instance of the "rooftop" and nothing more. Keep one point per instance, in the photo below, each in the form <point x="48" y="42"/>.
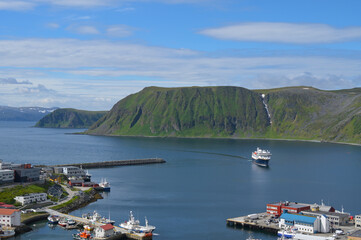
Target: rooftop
<point x="327" y="213"/>
<point x="4" y="211"/>
<point x="298" y="218"/>
<point x="107" y="227"/>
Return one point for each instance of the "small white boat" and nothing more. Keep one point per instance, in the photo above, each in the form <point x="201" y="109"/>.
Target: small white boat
<point x="6" y="232"/>
<point x="104" y="185"/>
<point x="53" y="219"/>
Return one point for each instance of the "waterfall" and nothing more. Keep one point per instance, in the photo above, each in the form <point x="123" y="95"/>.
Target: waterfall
<point x="266" y="107"/>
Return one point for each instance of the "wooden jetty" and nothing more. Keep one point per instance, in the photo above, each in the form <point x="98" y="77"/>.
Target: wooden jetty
<point x="254" y="224"/>
<point x="114" y="163"/>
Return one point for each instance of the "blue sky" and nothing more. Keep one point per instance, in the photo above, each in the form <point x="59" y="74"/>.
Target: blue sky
<point x="89" y="54"/>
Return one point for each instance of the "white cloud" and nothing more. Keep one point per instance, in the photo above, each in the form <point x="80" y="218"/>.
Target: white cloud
<point x="90" y="71"/>
<point x="284" y="33"/>
<point x="38" y="89"/>
<point x="84" y="29"/>
<point x="119" y="31"/>
<point x="16" y="5"/>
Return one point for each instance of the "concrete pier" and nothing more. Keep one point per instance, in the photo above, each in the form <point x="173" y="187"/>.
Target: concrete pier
<point x="259" y="223"/>
<point x="114" y="163"/>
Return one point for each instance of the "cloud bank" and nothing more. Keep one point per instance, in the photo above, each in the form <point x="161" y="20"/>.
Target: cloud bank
<point x="284" y="33"/>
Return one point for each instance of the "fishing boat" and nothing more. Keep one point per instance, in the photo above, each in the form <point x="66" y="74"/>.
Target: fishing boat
<point x="70" y="221"/>
<point x="261" y="157"/>
<point x="133" y="225"/>
<point x="105" y="186"/>
<point x="63" y="222"/>
<point x="53" y="219"/>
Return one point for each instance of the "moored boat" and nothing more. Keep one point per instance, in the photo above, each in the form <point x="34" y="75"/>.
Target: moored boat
<point x="6" y="232"/>
<point x="63" y="222"/>
<point x="133" y="225"/>
<point x="105" y="186"/>
<point x="53" y="219"/>
<point x="261" y="157"/>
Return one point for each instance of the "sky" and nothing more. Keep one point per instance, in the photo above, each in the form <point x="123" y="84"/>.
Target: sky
<point x="89" y="54"/>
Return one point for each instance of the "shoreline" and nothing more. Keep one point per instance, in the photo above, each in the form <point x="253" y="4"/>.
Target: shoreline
<point x="226" y="138"/>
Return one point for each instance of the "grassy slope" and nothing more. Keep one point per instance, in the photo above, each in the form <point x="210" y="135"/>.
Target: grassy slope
<point x="186" y="112"/>
<point x="70" y="118"/>
<point x="7" y="195"/>
<point x="296" y="113"/>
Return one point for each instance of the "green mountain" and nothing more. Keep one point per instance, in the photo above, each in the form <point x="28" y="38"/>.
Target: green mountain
<point x="294" y="113"/>
<point x="70" y="118"/>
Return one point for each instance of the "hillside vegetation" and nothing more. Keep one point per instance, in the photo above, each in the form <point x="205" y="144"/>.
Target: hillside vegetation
<point x="70" y="118"/>
<point x="295" y="113"/>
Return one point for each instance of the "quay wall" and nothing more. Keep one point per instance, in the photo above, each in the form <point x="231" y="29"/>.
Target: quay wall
<point x="113" y="163"/>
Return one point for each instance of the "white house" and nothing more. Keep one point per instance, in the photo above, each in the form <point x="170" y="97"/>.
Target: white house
<point x="104" y="231"/>
<point x="6" y="176"/>
<point x="10" y="217"/>
<point x="31" y="198"/>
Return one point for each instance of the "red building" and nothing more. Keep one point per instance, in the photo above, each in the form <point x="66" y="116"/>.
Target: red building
<point x="276" y="209"/>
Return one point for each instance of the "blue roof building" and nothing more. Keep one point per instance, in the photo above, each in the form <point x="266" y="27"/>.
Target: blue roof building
<point x="303" y="223"/>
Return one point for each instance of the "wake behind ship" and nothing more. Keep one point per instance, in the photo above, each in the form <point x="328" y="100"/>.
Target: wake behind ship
<point x="261" y="157"/>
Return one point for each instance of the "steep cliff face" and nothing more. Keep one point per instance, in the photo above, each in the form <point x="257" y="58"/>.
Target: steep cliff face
<point x="69" y="118"/>
<point x="187" y="112"/>
<point x="309" y="113"/>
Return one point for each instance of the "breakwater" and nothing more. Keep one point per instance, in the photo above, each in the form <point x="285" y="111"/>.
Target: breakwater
<point x="114" y="163"/>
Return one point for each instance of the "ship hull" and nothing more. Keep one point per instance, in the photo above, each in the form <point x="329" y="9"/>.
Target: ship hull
<point x="260" y="162"/>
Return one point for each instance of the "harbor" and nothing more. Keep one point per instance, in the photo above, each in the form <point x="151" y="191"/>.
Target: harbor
<point x="301" y="221"/>
<point x="96" y="224"/>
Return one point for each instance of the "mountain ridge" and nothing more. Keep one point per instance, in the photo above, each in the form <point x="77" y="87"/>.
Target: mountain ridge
<point x="303" y="113"/>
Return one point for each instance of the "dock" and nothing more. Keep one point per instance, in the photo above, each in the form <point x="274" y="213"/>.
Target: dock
<point x="259" y="222"/>
<point x="120" y="233"/>
<point x="115" y="163"/>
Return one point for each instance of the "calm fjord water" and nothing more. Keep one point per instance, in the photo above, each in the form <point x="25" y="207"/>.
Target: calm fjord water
<point x="200" y="186"/>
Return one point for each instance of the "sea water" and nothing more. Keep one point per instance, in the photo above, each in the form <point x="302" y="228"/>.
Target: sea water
<point x="204" y="182"/>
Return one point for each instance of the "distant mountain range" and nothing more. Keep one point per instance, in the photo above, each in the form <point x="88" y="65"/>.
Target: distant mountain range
<point x="233" y="112"/>
<point x="70" y="118"/>
<point x="23" y="113"/>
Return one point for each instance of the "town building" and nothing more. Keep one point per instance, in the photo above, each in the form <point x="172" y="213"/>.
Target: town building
<point x="355" y="236"/>
<point x="104" y="231"/>
<point x="10" y="217"/>
<point x="8" y="165"/>
<point x="6" y="176"/>
<point x="31" y="198"/>
<point x="72" y="171"/>
<point x="55" y="191"/>
<point x="26" y="173"/>
<point x="322" y="207"/>
<point x="304" y="223"/>
<point x="335" y="218"/>
<point x="358" y="221"/>
<point x="277" y="209"/>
